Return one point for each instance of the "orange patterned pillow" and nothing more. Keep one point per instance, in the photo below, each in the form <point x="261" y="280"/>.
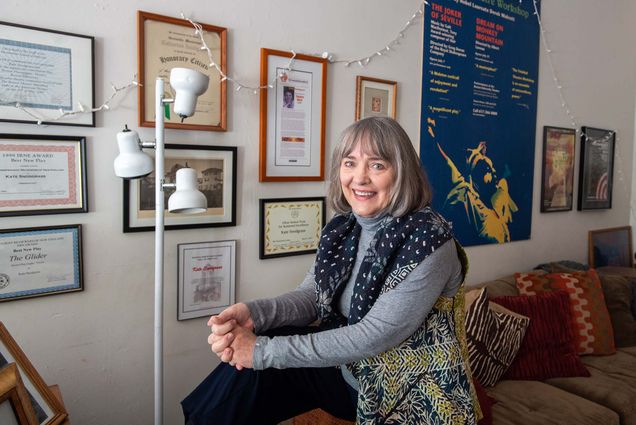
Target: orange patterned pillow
<point x="591" y="323"/>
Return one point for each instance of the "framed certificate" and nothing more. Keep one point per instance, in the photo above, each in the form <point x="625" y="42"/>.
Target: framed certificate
<point x="292" y="121"/>
<point x="40" y="261"/>
<point x="290" y="226"/>
<point x="166" y="43"/>
<point x="375" y="97"/>
<point x="44" y="72"/>
<point x="596" y="169"/>
<point x="557" y="172"/>
<point x="206" y="278"/>
<point x="216" y="171"/>
<point x="42" y="175"/>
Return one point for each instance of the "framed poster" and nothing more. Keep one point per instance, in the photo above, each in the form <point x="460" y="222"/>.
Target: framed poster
<point x="206" y="278"/>
<point x="557" y="171"/>
<point x="165" y="43"/>
<point x="48" y="409"/>
<point x="290" y="226"/>
<point x="596" y="169"/>
<point x="216" y="171"/>
<point x="45" y="72"/>
<point x="375" y="97"/>
<point x="15" y="405"/>
<point x="611" y="247"/>
<point x="42" y="174"/>
<point x="40" y="261"/>
<point x="292" y="121"/>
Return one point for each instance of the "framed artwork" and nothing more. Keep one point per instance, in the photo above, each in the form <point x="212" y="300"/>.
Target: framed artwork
<point x="165" y="43"/>
<point x="42" y="175"/>
<point x="40" y="261"/>
<point x="611" y="247"/>
<point x="292" y="120"/>
<point x="15" y="406"/>
<point x="48" y="409"/>
<point x="45" y="72"/>
<point x="206" y="278"/>
<point x="596" y="169"/>
<point x="557" y="171"/>
<point x="216" y="171"/>
<point x="290" y="226"/>
<point x="375" y="97"/>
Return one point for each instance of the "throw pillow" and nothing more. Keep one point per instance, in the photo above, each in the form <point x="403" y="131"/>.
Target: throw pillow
<point x="494" y="336"/>
<point x="618" y="297"/>
<point x="591" y="324"/>
<point x="548" y="349"/>
<point x="634" y="298"/>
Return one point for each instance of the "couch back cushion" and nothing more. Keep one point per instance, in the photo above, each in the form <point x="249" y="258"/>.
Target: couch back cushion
<point x="619" y="299"/>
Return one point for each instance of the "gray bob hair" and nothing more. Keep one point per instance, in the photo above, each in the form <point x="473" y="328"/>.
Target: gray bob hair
<point x="386" y="139"/>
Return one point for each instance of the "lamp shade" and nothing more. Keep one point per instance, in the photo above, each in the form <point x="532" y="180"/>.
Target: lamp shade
<point x="187" y="199"/>
<point x="131" y="163"/>
<point x="188" y="84"/>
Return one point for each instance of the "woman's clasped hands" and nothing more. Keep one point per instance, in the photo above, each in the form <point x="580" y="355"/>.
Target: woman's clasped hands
<point x="232" y="336"/>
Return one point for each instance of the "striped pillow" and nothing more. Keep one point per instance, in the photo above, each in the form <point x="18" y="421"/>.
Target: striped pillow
<point x="494" y="336"/>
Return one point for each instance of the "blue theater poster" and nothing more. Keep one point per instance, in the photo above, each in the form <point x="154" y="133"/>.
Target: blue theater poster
<point x="479" y="105"/>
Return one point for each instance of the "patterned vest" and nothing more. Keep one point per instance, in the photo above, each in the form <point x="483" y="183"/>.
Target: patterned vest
<point x="425" y="379"/>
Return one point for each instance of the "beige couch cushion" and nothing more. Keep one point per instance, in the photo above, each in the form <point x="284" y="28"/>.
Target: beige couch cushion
<point x="506" y="286"/>
<point x="536" y="403"/>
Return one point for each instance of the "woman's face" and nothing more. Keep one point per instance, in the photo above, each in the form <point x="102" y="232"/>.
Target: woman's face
<point x="366" y="181"/>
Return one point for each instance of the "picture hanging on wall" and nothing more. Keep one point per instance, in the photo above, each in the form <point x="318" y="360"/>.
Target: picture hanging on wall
<point x="557" y="175"/>
<point x="596" y="169"/>
<point x="375" y="97"/>
<point x="611" y="247"/>
<point x="15" y="405"/>
<point x="292" y="119"/>
<point x="216" y="173"/>
<point x="45" y="72"/>
<point x="166" y="43"/>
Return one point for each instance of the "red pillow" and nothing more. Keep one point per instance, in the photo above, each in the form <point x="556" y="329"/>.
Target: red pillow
<point x="548" y="349"/>
<point x="485" y="402"/>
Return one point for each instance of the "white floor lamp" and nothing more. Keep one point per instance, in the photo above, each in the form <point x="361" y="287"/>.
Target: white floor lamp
<point x="133" y="163"/>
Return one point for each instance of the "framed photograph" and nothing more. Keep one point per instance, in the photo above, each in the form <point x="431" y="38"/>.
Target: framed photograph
<point x="165" y="43"/>
<point x="15" y="406"/>
<point x="557" y="172"/>
<point x="611" y="247"/>
<point x="48" y="410"/>
<point x="40" y="261"/>
<point x="290" y="226"/>
<point x="206" y="278"/>
<point x="216" y="170"/>
<point x="45" y="72"/>
<point x="375" y="98"/>
<point x="292" y="122"/>
<point x="42" y="175"/>
<point x="596" y="169"/>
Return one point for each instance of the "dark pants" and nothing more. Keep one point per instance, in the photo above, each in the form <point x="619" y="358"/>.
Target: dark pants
<point x="269" y="396"/>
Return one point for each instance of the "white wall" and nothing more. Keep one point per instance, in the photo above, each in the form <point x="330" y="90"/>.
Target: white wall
<point x="97" y="344"/>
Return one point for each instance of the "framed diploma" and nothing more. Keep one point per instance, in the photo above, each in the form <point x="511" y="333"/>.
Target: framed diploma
<point x="42" y="175"/>
<point x="596" y="169"/>
<point x="292" y="121"/>
<point x="375" y="97"/>
<point x="206" y="278"/>
<point x="165" y="43"/>
<point x="557" y="176"/>
<point x="44" y="72"/>
<point x="40" y="261"/>
<point x="216" y="170"/>
<point x="48" y="410"/>
<point x="290" y="226"/>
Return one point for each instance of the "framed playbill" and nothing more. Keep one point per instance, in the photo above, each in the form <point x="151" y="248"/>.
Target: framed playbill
<point x="375" y="97"/>
<point x="596" y="169"/>
<point x="557" y="172"/>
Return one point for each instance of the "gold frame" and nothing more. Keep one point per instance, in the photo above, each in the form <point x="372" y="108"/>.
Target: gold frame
<point x="390" y="86"/>
<point x="12" y="390"/>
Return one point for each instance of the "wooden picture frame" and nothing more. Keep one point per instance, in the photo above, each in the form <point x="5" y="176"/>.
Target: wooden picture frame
<point x="292" y="117"/>
<point x="165" y="43"/>
<point x="48" y="409"/>
<point x="375" y="97"/>
<point x="42" y="175"/>
<point x="596" y="169"/>
<point x="216" y="168"/>
<point x="39" y="261"/>
<point x="69" y="60"/>
<point x="557" y="169"/>
<point x="290" y="226"/>
<point x="14" y="399"/>
<point x="611" y="247"/>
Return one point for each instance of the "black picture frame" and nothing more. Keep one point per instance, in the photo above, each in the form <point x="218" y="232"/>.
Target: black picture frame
<point x="596" y="169"/>
<point x="80" y="50"/>
<point x="306" y="244"/>
<point x="138" y="214"/>
<point x="557" y="169"/>
<point x="73" y="199"/>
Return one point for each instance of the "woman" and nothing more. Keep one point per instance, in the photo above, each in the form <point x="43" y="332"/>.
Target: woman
<point x="387" y="288"/>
